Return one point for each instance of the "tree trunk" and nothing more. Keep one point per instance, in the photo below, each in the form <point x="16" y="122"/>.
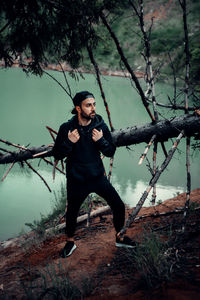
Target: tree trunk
<point x="163" y="129"/>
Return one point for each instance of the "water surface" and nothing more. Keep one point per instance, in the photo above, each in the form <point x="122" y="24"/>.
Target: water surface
<point x="28" y="104"/>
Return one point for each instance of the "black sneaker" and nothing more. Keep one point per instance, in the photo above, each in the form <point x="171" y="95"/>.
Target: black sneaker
<point x="126" y="242"/>
<point x="68" y="249"/>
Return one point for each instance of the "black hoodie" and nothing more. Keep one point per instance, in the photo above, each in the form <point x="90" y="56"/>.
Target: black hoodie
<point x="83" y="157"/>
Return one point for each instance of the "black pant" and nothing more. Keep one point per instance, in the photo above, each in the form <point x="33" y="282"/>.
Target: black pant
<point x="78" y="191"/>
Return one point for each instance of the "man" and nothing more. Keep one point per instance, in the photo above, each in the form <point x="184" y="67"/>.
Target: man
<point x="81" y="140"/>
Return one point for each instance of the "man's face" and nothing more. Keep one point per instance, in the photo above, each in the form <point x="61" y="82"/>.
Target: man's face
<point x="87" y="108"/>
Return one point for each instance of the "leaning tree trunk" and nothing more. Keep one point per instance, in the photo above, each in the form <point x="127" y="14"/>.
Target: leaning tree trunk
<point x="163" y="129"/>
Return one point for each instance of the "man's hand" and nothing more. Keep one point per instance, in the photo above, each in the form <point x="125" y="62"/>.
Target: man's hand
<point x="73" y="136"/>
<point x="96" y="135"/>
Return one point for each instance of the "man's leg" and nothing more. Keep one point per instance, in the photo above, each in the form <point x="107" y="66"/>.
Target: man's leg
<point x="105" y="189"/>
<point x="76" y="194"/>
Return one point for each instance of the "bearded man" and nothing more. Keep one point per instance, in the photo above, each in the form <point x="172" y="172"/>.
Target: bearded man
<point x="81" y="140"/>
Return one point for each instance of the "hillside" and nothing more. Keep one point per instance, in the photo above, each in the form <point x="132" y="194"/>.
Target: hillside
<point x="167" y="37"/>
<point x="165" y="265"/>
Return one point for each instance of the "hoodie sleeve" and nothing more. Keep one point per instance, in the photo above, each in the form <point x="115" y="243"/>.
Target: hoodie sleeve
<point x="63" y="146"/>
<point x="105" y="144"/>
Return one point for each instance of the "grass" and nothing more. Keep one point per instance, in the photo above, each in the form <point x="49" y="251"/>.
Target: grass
<point x="151" y="259"/>
<point x="52" y="282"/>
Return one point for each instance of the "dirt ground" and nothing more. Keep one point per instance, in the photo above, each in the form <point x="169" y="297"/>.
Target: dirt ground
<point x="97" y="268"/>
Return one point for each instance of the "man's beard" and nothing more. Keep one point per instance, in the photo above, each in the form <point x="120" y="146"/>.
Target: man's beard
<point x="87" y="117"/>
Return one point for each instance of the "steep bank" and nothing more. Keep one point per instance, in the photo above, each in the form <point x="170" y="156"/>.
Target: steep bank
<point x="105" y="271"/>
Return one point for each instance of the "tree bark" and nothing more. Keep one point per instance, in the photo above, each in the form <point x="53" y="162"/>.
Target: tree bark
<point x="164" y="129"/>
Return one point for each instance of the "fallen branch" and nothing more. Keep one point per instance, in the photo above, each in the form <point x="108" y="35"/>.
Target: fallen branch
<point x="164" y="129"/>
<point x="146" y="149"/>
<point x="153" y="200"/>
<point x="95" y="213"/>
<point x="26" y="154"/>
<point x="152" y="182"/>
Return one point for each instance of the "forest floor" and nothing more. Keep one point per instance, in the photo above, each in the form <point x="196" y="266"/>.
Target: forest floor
<point x="30" y="267"/>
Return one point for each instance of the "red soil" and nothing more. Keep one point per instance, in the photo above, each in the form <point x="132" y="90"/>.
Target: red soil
<point x="97" y="259"/>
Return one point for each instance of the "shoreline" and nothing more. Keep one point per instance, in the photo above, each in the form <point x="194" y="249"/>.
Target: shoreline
<point x="170" y="204"/>
<point x="65" y="67"/>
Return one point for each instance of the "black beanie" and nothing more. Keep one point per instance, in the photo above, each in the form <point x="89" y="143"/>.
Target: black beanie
<point x="79" y="97"/>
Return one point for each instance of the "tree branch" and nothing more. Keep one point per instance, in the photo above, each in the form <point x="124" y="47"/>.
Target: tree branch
<point x="152" y="182"/>
<point x="123" y="58"/>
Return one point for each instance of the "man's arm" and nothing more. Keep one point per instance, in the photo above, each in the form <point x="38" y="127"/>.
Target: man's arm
<point x="104" y="141"/>
<point x="63" y="144"/>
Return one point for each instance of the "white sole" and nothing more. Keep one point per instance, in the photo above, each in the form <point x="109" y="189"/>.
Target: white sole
<point x="73" y="248"/>
<point x="120" y="245"/>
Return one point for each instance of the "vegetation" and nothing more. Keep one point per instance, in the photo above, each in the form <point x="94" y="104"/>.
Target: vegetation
<point x="53" y="218"/>
<point x="51" y="285"/>
<point x="53" y="31"/>
<point x="151" y="259"/>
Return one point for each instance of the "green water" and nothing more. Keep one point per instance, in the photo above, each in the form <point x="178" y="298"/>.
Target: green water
<point x="28" y="104"/>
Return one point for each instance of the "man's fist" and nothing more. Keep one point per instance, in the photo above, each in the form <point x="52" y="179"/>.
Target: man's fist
<point x="73" y="136"/>
<point x="96" y="134"/>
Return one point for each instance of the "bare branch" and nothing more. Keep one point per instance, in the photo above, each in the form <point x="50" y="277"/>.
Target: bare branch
<point x="96" y="68"/>
<point x="29" y="165"/>
<point x="173" y="106"/>
<point x="153" y="200"/>
<point x="152" y="182"/>
<point x="12" y="144"/>
<point x="147" y="149"/>
<point x="5" y="175"/>
<point x="51" y="76"/>
<point x="123" y="58"/>
<point x="67" y="83"/>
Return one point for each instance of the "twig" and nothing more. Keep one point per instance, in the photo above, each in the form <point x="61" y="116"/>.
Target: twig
<point x="111" y="166"/>
<point x="173" y="107"/>
<point x="14" y="145"/>
<point x="90" y="204"/>
<point x="146" y="149"/>
<point x="57" y="82"/>
<point x="5" y="150"/>
<point x="7" y="171"/>
<point x="49" y="162"/>
<point x="39" y="154"/>
<point x="96" y="68"/>
<point x="29" y="165"/>
<point x="154" y="171"/>
<point x="68" y="86"/>
<point x="50" y="131"/>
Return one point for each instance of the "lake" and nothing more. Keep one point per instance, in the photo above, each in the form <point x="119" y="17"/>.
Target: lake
<point x="28" y="104"/>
